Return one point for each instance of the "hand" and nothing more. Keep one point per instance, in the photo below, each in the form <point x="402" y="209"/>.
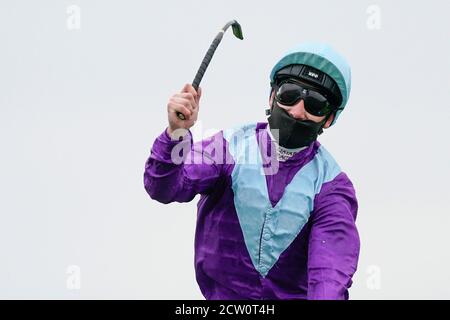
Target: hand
<point x="186" y="102"/>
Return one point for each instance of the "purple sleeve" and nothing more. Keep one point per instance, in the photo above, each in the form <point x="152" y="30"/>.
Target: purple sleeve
<point x="179" y="170"/>
<point x="334" y="241"/>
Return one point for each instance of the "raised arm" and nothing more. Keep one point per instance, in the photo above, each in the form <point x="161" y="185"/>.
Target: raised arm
<point x="177" y="169"/>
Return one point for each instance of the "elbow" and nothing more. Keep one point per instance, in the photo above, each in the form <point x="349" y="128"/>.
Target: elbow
<point x="162" y="195"/>
<point x="327" y="290"/>
<point x="328" y="284"/>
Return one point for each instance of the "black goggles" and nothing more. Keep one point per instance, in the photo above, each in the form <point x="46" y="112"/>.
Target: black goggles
<point x="289" y="92"/>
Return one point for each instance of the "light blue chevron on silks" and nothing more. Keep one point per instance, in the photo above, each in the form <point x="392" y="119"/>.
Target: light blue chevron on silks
<point x="267" y="230"/>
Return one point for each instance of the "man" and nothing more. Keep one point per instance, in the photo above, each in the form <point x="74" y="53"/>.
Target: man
<point x="288" y="233"/>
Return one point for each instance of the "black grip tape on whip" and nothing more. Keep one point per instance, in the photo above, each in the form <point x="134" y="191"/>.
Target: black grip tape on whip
<point x="203" y="66"/>
<point x="206" y="60"/>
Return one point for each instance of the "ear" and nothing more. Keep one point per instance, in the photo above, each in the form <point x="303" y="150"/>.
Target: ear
<point x="329" y="121"/>
<point x="271" y="97"/>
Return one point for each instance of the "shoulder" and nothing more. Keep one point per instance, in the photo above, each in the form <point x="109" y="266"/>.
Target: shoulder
<point x="224" y="137"/>
<point x="240" y="130"/>
<point x="334" y="178"/>
<point x="327" y="160"/>
<point x="339" y="195"/>
<point x="337" y="189"/>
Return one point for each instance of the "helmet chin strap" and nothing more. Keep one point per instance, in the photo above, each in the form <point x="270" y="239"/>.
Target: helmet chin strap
<point x="269" y="110"/>
<point x="324" y="122"/>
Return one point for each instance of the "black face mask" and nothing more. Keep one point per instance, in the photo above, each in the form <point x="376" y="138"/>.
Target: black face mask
<point x="293" y="133"/>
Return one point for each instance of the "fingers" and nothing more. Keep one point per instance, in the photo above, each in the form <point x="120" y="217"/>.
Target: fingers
<point x="188" y="102"/>
<point x="188" y="88"/>
<point x="185" y="102"/>
<point x="188" y="97"/>
<point x="178" y="107"/>
<point x="196" y="94"/>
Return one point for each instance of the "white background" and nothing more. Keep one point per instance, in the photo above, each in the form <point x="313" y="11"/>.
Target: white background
<point x="80" y="109"/>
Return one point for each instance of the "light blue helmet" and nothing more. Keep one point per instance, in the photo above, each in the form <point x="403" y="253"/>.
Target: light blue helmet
<point x="323" y="58"/>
